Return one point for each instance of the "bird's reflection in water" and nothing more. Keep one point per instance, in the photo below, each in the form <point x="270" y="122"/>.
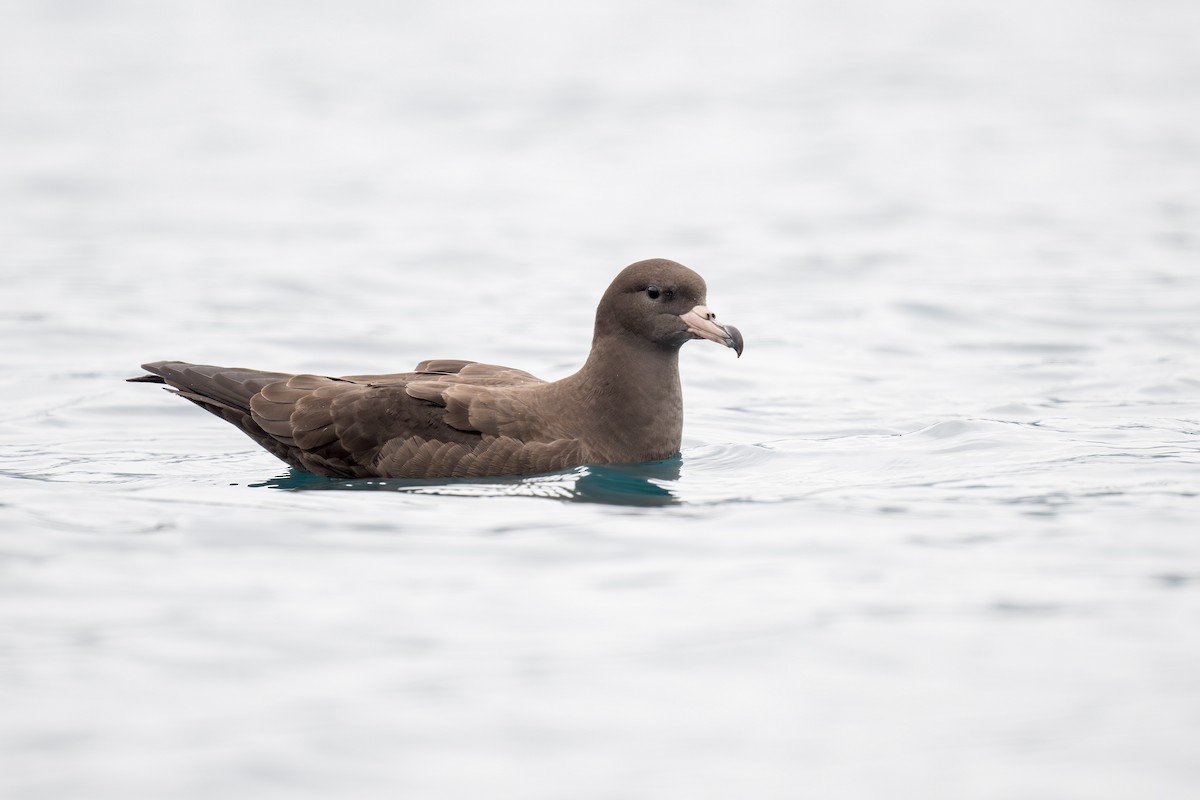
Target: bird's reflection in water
<point x="629" y="484"/>
<point x="647" y="484"/>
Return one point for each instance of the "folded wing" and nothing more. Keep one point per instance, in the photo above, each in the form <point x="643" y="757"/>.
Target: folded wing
<point x="445" y="419"/>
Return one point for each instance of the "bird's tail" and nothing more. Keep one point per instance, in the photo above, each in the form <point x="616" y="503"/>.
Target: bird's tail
<point x="227" y="388"/>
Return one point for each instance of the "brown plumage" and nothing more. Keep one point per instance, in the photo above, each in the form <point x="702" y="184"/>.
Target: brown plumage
<point x="464" y="419"/>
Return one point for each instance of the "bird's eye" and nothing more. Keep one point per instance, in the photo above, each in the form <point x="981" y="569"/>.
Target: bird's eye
<point x="653" y="292"/>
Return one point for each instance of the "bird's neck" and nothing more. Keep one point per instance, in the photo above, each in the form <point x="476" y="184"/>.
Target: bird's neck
<point x="633" y="397"/>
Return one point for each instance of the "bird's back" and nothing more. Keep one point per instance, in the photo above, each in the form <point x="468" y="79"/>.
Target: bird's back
<point x="444" y="419"/>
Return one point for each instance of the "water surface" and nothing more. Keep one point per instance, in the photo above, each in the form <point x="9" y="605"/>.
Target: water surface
<point x="934" y="535"/>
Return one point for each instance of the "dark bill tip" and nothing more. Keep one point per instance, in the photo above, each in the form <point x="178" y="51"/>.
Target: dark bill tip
<point x="735" y="339"/>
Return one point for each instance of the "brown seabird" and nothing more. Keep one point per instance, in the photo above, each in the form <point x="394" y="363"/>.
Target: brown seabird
<point x="451" y="419"/>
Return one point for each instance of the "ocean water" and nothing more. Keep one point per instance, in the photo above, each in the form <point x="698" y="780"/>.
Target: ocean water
<point x="936" y="534"/>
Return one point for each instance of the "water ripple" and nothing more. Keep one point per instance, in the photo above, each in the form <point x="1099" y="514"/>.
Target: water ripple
<point x="615" y="484"/>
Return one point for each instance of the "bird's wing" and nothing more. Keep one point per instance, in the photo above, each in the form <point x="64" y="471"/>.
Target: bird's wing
<point x="430" y="420"/>
<point x="472" y="421"/>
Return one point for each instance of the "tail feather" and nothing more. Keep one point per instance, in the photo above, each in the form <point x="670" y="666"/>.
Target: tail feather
<point x="225" y="387"/>
<point x="224" y="392"/>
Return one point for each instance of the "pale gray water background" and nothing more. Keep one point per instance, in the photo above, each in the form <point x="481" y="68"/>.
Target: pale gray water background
<point x="936" y="535"/>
